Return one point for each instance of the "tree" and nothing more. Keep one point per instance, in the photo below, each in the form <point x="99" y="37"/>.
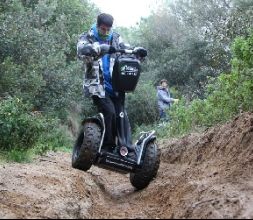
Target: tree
<point x="188" y="41"/>
<point x="39" y="63"/>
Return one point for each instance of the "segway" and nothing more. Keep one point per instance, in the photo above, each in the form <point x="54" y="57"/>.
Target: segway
<point x="88" y="149"/>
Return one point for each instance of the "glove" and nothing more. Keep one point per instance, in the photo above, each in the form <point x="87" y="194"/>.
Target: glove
<point x="140" y="51"/>
<point x="112" y="49"/>
<point x="96" y="49"/>
<point x="106" y="49"/>
<point x="87" y="50"/>
<point x="124" y="46"/>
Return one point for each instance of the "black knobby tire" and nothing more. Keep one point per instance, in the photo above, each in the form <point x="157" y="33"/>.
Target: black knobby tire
<point x="151" y="161"/>
<point x="86" y="146"/>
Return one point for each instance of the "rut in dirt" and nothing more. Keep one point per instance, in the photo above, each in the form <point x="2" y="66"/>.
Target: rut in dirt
<point x="206" y="175"/>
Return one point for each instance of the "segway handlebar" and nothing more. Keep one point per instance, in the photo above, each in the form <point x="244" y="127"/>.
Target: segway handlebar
<point x="139" y="51"/>
<point x="126" y="51"/>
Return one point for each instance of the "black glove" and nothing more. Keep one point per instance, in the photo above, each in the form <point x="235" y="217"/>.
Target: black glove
<point x="106" y="49"/>
<point x="88" y="51"/>
<point x="112" y="49"/>
<point x="140" y="51"/>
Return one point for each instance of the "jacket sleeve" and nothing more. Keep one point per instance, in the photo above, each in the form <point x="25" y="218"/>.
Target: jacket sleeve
<point x="87" y="49"/>
<point x="163" y="97"/>
<point x="82" y="42"/>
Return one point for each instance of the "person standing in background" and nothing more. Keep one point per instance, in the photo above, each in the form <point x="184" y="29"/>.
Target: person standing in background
<point x="164" y="99"/>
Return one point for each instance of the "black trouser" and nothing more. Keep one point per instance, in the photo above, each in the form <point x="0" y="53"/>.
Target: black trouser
<point x="116" y="120"/>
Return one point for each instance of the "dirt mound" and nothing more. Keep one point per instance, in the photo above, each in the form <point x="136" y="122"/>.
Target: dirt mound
<point x="216" y="179"/>
<point x="205" y="175"/>
<point x="48" y="188"/>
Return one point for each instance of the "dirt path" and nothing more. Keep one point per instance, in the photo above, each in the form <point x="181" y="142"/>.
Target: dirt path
<point x="207" y="175"/>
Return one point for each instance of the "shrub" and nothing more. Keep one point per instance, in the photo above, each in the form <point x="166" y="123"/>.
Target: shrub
<point x="142" y="105"/>
<point x="227" y="95"/>
<point x="21" y="129"/>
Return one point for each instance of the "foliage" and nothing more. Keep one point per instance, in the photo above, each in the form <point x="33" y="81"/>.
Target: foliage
<point x="18" y="128"/>
<point x="39" y="73"/>
<point x="142" y="105"/>
<point x="188" y="43"/>
<point x="227" y="96"/>
<point x="25" y="132"/>
<point x="39" y="63"/>
<point x="23" y="129"/>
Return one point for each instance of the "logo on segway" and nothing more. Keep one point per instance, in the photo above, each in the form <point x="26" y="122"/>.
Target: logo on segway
<point x="129" y="70"/>
<point x="121" y="114"/>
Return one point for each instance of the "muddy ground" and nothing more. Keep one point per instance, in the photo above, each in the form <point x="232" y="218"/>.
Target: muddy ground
<point x="208" y="175"/>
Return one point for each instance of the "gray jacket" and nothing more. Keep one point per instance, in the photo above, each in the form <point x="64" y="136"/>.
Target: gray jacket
<point x="164" y="98"/>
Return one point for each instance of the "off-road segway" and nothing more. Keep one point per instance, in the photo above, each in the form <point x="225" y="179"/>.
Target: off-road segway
<point x="88" y="148"/>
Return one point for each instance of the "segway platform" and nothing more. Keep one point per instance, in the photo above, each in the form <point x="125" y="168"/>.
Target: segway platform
<point x="116" y="162"/>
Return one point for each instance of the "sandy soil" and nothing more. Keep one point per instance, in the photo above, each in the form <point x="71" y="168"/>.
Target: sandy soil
<point x="208" y="175"/>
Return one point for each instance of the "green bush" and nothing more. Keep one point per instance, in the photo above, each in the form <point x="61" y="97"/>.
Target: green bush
<point x="226" y="96"/>
<point x="19" y="156"/>
<point x="142" y="105"/>
<point x="39" y="63"/>
<point x="56" y="139"/>
<point x="21" y="129"/>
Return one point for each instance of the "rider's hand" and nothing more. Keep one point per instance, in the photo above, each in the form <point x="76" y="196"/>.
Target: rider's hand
<point x="106" y="49"/>
<point x="96" y="49"/>
<point x="112" y="49"/>
<point x="87" y="50"/>
<point x="140" y="51"/>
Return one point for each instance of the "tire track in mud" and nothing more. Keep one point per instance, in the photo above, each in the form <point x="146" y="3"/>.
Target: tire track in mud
<point x="205" y="175"/>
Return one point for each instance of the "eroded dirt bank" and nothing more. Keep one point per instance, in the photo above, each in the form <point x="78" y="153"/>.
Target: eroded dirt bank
<point x="207" y="175"/>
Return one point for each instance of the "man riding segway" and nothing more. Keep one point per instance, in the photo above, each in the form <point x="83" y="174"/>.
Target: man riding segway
<point x="108" y="101"/>
<point x="111" y="70"/>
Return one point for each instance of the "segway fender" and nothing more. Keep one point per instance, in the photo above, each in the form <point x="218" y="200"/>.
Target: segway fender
<point x="143" y="142"/>
<point x="99" y="120"/>
<point x="151" y="139"/>
<point x="96" y="119"/>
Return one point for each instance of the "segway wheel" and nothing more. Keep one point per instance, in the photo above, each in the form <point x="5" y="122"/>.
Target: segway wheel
<point x="151" y="161"/>
<point x="86" y="146"/>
